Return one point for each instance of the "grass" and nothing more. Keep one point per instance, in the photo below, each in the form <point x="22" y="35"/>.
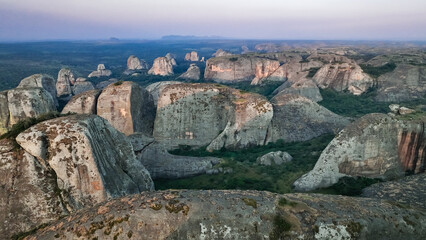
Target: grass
<point x="247" y="174"/>
<point x="378" y="71"/>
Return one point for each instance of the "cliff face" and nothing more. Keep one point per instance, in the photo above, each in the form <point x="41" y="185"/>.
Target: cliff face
<point x="192" y="56"/>
<point x="162" y="66"/>
<point x="376" y="146"/>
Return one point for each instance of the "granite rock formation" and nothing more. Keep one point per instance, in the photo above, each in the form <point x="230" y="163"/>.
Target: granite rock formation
<point x="83" y="103"/>
<point x="171" y="58"/>
<point x="63" y="84"/>
<point x="303" y="86"/>
<point x="221" y="53"/>
<point x="100" y="72"/>
<point x="106" y="83"/>
<point x="162" y="66"/>
<point x="81" y="87"/>
<point x="42" y="81"/>
<point x="155" y="89"/>
<point x="192" y="57"/>
<point x="193" y="73"/>
<point x="274" y="158"/>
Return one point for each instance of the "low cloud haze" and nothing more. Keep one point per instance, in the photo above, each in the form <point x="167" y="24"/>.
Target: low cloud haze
<point x="268" y="19"/>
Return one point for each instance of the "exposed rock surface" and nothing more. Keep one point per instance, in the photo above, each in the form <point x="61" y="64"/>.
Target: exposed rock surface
<point x="274" y="158"/>
<point x="80" y="79"/>
<point x="84" y="103"/>
<point x="221" y="53"/>
<point x="239" y="215"/>
<point x="376" y="146"/>
<point x="43" y="81"/>
<point x="81" y="87"/>
<point x="343" y="76"/>
<point x="134" y="64"/>
<point x="303" y="86"/>
<point x="64" y="82"/>
<point x="171" y="58"/>
<point x="297" y="118"/>
<point x="4" y="112"/>
<point x="406" y="82"/>
<point x="193" y="73"/>
<point x="162" y="66"/>
<point x="192" y="56"/>
<point x="210" y="114"/>
<point x="156" y="88"/>
<point x="28" y="102"/>
<point x="101" y="72"/>
<point x="128" y="107"/>
<point x="104" y="84"/>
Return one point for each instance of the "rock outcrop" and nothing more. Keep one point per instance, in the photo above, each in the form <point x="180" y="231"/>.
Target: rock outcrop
<point x="405" y="83"/>
<point x="302" y="86"/>
<point x="128" y="107"/>
<point x="171" y="58"/>
<point x="156" y="88"/>
<point x="100" y="72"/>
<point x="376" y="146"/>
<point x="162" y="66"/>
<point x="135" y="64"/>
<point x="4" y="112"/>
<point x="63" y="84"/>
<point x="42" y="81"/>
<point x="210" y="114"/>
<point x="274" y="158"/>
<point x="231" y="214"/>
<point x="192" y="57"/>
<point x="343" y="76"/>
<point x="193" y="73"/>
<point x="221" y="53"/>
<point x="84" y="103"/>
<point x="104" y="84"/>
<point x="81" y="87"/>
<point x="297" y="118"/>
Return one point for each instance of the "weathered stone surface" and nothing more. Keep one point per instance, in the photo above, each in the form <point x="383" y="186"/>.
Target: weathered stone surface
<point x="81" y="87"/>
<point x="93" y="162"/>
<point x="376" y="146"/>
<point x="239" y="215"/>
<point x="297" y="118"/>
<point x="193" y="73"/>
<point x="28" y="193"/>
<point x="4" y="112"/>
<point x="84" y="103"/>
<point x="171" y="58"/>
<point x="156" y="88"/>
<point x="64" y="82"/>
<point x="133" y="63"/>
<point x="210" y="114"/>
<point x="406" y="82"/>
<point x="293" y="70"/>
<point x="128" y="107"/>
<point x="161" y="164"/>
<point x="274" y="158"/>
<point x="304" y="87"/>
<point x="43" y="81"/>
<point x="100" y="72"/>
<point x="105" y="84"/>
<point x="28" y="102"/>
<point x="162" y="66"/>
<point x="343" y="76"/>
<point x="80" y="79"/>
<point x="221" y="53"/>
<point x="192" y="57"/>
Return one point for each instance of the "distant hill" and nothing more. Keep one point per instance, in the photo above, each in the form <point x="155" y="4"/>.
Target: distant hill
<point x="189" y="37"/>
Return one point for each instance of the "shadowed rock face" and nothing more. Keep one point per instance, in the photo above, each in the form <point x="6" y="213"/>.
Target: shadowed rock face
<point x="42" y="81"/>
<point x="406" y="82"/>
<point x="128" y="107"/>
<point x="64" y="82"/>
<point x="155" y="89"/>
<point x="162" y="66"/>
<point x="207" y="114"/>
<point x="84" y="103"/>
<point x="297" y="118"/>
<point x="193" y="73"/>
<point x="374" y="146"/>
<point x="81" y="87"/>
<point x="239" y="215"/>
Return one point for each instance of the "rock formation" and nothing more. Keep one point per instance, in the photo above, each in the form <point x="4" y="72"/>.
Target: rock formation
<point x="156" y="88"/>
<point x="343" y="76"/>
<point x="162" y="66"/>
<point x="63" y="165"/>
<point x="192" y="57"/>
<point x="297" y="118"/>
<point x="274" y="158"/>
<point x="239" y="215"/>
<point x="406" y="82"/>
<point x="101" y="72"/>
<point x="376" y="146"/>
<point x="104" y="84"/>
<point x="134" y="64"/>
<point x="221" y="53"/>
<point x="64" y="82"/>
<point x="128" y="107"/>
<point x="43" y="81"/>
<point x="208" y="114"/>
<point x="83" y="103"/>
<point x="299" y="84"/>
<point x="4" y="112"/>
<point x="171" y="58"/>
<point x="193" y="73"/>
<point x="81" y="87"/>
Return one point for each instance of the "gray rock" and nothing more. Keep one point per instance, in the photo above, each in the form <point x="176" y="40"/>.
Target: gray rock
<point x="105" y="84"/>
<point x="100" y="72"/>
<point x="162" y="66"/>
<point x="4" y="112"/>
<point x="84" y="103"/>
<point x="63" y="83"/>
<point x="43" y="81"/>
<point x="81" y="87"/>
<point x="193" y="73"/>
<point x="274" y="158"/>
<point x="192" y="56"/>
<point x="303" y="87"/>
<point x="156" y="88"/>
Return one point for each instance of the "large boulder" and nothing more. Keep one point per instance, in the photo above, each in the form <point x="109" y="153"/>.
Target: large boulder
<point x="232" y="214"/>
<point x="171" y="58"/>
<point x="302" y="86"/>
<point x="42" y="81"/>
<point x="128" y="107"/>
<point x="221" y="53"/>
<point x="376" y="146"/>
<point x="192" y="57"/>
<point x="100" y="72"/>
<point x="297" y="118"/>
<point x="106" y="83"/>
<point x="405" y="83"/>
<point x="84" y="103"/>
<point x="274" y="158"/>
<point x="343" y="76"/>
<point x="4" y="112"/>
<point x="63" y="84"/>
<point x="162" y="66"/>
<point x="193" y="73"/>
<point x="81" y="87"/>
<point x="92" y="161"/>
<point x="210" y="114"/>
<point x="133" y="63"/>
<point x="28" y="102"/>
<point x="156" y="88"/>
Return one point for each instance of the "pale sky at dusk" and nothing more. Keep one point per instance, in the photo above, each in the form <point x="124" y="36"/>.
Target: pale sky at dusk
<point x="249" y="19"/>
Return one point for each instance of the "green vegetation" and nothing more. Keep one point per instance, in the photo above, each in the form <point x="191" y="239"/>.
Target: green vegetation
<point x="233" y="59"/>
<point x="22" y="235"/>
<point x="250" y="202"/>
<point x="349" y="186"/>
<point x="312" y="72"/>
<point x="378" y="71"/>
<point x="118" y="83"/>
<point x="280" y="227"/>
<point x="284" y="202"/>
<point x="247" y="174"/>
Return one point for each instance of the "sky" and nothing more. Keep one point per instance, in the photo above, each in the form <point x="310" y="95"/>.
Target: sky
<point x="28" y="20"/>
